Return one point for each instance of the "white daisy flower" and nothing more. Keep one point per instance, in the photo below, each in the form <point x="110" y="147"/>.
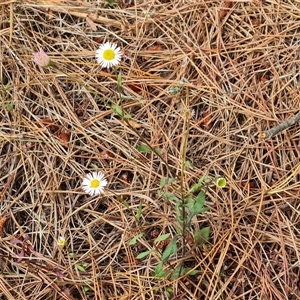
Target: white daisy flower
<point x="61" y="241"/>
<point x="93" y="184"/>
<point x="108" y="55"/>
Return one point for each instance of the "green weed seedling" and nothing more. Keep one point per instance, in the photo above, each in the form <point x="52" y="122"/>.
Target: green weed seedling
<point x="111" y="3"/>
<point x="82" y="268"/>
<point x="7" y="104"/>
<point x="186" y="208"/>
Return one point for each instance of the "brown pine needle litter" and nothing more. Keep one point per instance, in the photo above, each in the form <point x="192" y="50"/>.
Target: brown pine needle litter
<point x="208" y="77"/>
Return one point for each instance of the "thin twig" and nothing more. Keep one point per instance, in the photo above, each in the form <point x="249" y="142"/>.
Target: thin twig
<point x="282" y="126"/>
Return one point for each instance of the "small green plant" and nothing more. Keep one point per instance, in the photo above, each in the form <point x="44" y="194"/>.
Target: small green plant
<point x="186" y="209"/>
<point x="7" y="104"/>
<point x="82" y="268"/>
<point x="111" y="3"/>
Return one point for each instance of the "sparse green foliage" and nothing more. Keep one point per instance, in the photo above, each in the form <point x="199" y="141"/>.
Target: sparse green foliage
<point x="202" y="236"/>
<point x="202" y="182"/>
<point x="159" y="272"/>
<point x="139" y="211"/>
<point x="7" y="103"/>
<point x="86" y="288"/>
<point x="134" y="240"/>
<point x="166" y="181"/>
<point x="119" y="81"/>
<point x="176" y="89"/>
<point x="162" y="237"/>
<point x="170" y="249"/>
<point x="180" y="270"/>
<point x="111" y="3"/>
<point x="119" y="111"/>
<point x="144" y="148"/>
<point x="72" y="255"/>
<point x="144" y="254"/>
<point x="81" y="267"/>
<point x="186" y="209"/>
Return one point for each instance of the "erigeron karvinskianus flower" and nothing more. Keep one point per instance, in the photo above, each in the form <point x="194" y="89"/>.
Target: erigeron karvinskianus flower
<point x="94" y="183"/>
<point x="61" y="241"/>
<point x="108" y="55"/>
<point x="220" y="182"/>
<point x="41" y="58"/>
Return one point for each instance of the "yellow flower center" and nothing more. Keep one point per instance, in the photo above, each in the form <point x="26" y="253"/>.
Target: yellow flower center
<point x="95" y="183"/>
<point x="61" y="242"/>
<point x="109" y="54"/>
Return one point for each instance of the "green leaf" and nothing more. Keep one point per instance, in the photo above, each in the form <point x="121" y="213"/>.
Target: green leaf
<point x="144" y="254"/>
<point x="170" y="249"/>
<point x="144" y="148"/>
<point x="188" y="163"/>
<point x="125" y="202"/>
<point x="166" y="181"/>
<point x="175" y="89"/>
<point x="80" y="267"/>
<point x="162" y="237"/>
<point x="171" y="197"/>
<point x="189" y="203"/>
<point x="157" y="151"/>
<point x="119" y="80"/>
<point x="9" y="106"/>
<point x="159" y="272"/>
<point x="179" y="271"/>
<point x="119" y="111"/>
<point x="170" y="292"/>
<point x="158" y="268"/>
<point x="135" y="238"/>
<point x="86" y="288"/>
<point x="196" y="187"/>
<point x="196" y="206"/>
<point x="72" y="255"/>
<point x="162" y="274"/>
<point x="139" y="211"/>
<point x="163" y="182"/>
<point x="192" y="273"/>
<point x="111" y="3"/>
<point x="7" y="86"/>
<point x="202" y="236"/>
<point x="199" y="203"/>
<point x="179" y="214"/>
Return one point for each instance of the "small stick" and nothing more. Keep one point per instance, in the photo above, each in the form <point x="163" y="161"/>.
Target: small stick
<point x="282" y="126"/>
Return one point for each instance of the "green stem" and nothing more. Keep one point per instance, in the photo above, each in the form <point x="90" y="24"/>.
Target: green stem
<point x="186" y="129"/>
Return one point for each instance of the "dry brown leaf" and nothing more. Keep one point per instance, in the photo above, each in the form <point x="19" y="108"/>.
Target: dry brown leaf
<point x="91" y="24"/>
<point x="132" y="123"/>
<point x="206" y="121"/>
<point x="2" y="224"/>
<point x="255" y="22"/>
<point x="65" y="138"/>
<point x="105" y="154"/>
<point x="155" y="48"/>
<point x="223" y="12"/>
<point x="163" y="244"/>
<point x="49" y="123"/>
